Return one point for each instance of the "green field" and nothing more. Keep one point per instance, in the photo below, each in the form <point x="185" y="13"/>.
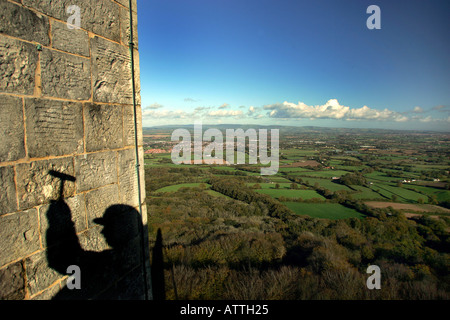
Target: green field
<point x="402" y="194"/>
<point x="294" y="169"/>
<point x="326" y="173"/>
<point x="278" y="179"/>
<point x="364" y="193"/>
<point x="379" y="176"/>
<point x="288" y="193"/>
<point x="325" y="183"/>
<point x="331" y="211"/>
<point x="175" y="187"/>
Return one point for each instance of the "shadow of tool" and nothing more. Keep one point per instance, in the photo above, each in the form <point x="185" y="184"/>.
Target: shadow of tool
<point x="104" y="274"/>
<point x="63" y="177"/>
<point x="63" y="247"/>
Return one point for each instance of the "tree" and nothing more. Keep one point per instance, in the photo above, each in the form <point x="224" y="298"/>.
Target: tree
<point x="277" y="186"/>
<point x="294" y="185"/>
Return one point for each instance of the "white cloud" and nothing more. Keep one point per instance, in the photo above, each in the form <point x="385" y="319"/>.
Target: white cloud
<point x="418" y="110"/>
<point x="225" y="113"/>
<point x="441" y="108"/>
<point x="224" y="106"/>
<point x="331" y="110"/>
<point x="154" y="106"/>
<point x="160" y="114"/>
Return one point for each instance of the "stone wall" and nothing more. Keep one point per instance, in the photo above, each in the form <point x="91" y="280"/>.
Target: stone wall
<point x="66" y="108"/>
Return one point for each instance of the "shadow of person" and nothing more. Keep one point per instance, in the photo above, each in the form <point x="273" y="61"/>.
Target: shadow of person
<point x="108" y="274"/>
<point x="103" y="275"/>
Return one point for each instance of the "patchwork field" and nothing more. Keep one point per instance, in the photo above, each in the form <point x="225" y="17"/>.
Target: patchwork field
<point x="408" y="207"/>
<point x="331" y="211"/>
<point x="303" y="194"/>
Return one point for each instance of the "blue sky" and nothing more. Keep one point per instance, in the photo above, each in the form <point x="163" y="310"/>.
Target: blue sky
<point x="294" y="62"/>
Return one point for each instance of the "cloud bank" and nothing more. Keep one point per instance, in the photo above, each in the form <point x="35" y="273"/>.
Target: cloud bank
<point x="288" y="111"/>
<point x="331" y="110"/>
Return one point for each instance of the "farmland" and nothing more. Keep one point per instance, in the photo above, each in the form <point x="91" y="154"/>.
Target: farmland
<point x="324" y="210"/>
<point x="360" y="196"/>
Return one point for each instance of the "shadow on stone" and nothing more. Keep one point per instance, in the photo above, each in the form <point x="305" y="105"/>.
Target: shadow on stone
<point x="108" y="274"/>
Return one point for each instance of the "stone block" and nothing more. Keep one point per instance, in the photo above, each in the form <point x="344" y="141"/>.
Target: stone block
<point x="12" y="283"/>
<point x="69" y="40"/>
<point x="100" y="17"/>
<point x="111" y="72"/>
<point x="93" y="240"/>
<point x="128" y="125"/>
<point x="36" y="186"/>
<point x="18" y="61"/>
<point x="54" y="128"/>
<point x="103" y="127"/>
<point x="131" y="287"/>
<point x="11" y="127"/>
<point x="125" y="27"/>
<point x="48" y="294"/>
<point x="19" y="235"/>
<point x="77" y="211"/>
<point x="96" y="170"/>
<point x="23" y="20"/>
<point x="39" y="274"/>
<point x="128" y="177"/>
<point x="126" y="3"/>
<point x="97" y="201"/>
<point x="65" y="76"/>
<point x="8" y="201"/>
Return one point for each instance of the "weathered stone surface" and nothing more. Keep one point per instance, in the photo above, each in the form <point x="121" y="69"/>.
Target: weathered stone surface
<point x="128" y="177"/>
<point x="65" y="75"/>
<point x="93" y="240"/>
<point x="90" y="65"/>
<point x="48" y="294"/>
<point x="36" y="186"/>
<point x="78" y="215"/>
<point x="100" y="17"/>
<point x="11" y="128"/>
<point x="23" y="20"/>
<point x="19" y="235"/>
<point x="97" y="169"/>
<point x="18" y="62"/>
<point x="111" y="72"/>
<point x="103" y="127"/>
<point x="128" y="125"/>
<point x="39" y="273"/>
<point x="125" y="27"/>
<point x="126" y="4"/>
<point x="69" y="40"/>
<point x="97" y="201"/>
<point x="12" y="283"/>
<point x="54" y="128"/>
<point x="8" y="202"/>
